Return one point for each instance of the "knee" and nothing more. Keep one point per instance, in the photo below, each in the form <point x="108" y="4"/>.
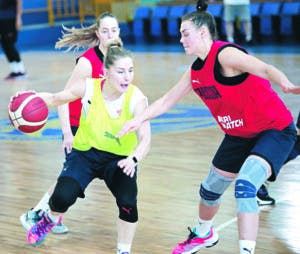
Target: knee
<point x="252" y="175"/>
<point x="212" y="188"/>
<point x="128" y="212"/>
<point x="208" y="197"/>
<point x="245" y="194"/>
<point x="65" y="194"/>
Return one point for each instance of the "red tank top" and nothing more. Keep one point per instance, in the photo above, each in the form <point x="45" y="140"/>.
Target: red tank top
<point x="244" y="105"/>
<point x="95" y="57"/>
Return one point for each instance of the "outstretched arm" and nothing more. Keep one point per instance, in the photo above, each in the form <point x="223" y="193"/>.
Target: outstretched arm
<point x="72" y="92"/>
<point x="160" y="106"/>
<point x="233" y="59"/>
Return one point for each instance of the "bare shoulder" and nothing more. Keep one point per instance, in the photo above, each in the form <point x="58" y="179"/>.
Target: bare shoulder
<point x="232" y="57"/>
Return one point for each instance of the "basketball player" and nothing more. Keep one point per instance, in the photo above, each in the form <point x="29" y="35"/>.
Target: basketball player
<point x="89" y="64"/>
<point x="10" y="24"/>
<point x="97" y="153"/>
<point x="259" y="129"/>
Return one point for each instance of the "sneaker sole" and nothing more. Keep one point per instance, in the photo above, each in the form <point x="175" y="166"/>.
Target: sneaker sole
<point x="199" y="248"/>
<point x="262" y="202"/>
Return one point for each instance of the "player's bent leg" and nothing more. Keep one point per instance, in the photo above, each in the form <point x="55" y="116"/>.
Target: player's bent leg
<point x="65" y="194"/>
<point x="252" y="175"/>
<point x="211" y="190"/>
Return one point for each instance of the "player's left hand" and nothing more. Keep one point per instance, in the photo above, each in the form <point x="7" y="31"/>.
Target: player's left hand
<point x="288" y="87"/>
<point x="293" y="90"/>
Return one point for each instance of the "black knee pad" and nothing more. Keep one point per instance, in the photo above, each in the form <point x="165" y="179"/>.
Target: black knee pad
<point x="65" y="194"/>
<point x="128" y="213"/>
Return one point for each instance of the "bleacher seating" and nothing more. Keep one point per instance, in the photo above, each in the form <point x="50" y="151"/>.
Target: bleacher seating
<point x="173" y="20"/>
<point x="269" y="19"/>
<point x="141" y="21"/>
<point x="290" y="19"/>
<point x="217" y="11"/>
<point x="158" y="22"/>
<point x="255" y="8"/>
<point x="190" y="8"/>
<point x="279" y="20"/>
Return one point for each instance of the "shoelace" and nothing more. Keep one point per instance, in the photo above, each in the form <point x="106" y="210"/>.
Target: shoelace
<point x="190" y="237"/>
<point x="43" y="226"/>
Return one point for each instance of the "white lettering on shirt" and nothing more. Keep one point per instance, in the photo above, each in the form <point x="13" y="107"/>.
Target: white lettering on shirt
<point x="228" y="123"/>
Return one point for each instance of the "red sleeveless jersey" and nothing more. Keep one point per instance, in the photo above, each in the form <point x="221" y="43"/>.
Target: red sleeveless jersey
<point x="244" y="105"/>
<point x="95" y="57"/>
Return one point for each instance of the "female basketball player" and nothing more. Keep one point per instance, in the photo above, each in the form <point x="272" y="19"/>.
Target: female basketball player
<point x="97" y="153"/>
<point x="89" y="64"/>
<point x="259" y="129"/>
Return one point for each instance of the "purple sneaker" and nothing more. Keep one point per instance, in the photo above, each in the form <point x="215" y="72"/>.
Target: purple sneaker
<point x="38" y="231"/>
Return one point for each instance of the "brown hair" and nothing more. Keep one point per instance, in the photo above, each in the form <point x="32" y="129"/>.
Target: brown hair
<point x="200" y="17"/>
<point x="115" y="51"/>
<point x="75" y="38"/>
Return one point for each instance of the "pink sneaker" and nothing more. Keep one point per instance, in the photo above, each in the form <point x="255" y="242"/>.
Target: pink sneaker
<point x="38" y="231"/>
<point x="195" y="243"/>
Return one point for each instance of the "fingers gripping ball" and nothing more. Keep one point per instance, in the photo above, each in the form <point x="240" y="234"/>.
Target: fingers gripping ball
<point x="27" y="112"/>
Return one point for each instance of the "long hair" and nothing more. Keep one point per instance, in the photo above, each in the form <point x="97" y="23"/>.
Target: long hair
<point x="75" y="38"/>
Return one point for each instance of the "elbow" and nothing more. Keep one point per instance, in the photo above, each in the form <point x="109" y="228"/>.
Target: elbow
<point x="268" y="71"/>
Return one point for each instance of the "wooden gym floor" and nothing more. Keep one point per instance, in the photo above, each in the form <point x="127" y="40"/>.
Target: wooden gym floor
<point x="184" y="141"/>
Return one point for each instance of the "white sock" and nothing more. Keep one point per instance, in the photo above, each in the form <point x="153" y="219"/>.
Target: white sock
<point x="17" y="67"/>
<point x="54" y="218"/>
<point x="123" y="247"/>
<point x="20" y="67"/>
<point x="13" y="67"/>
<point x="43" y="204"/>
<point x="203" y="228"/>
<point x="247" y="246"/>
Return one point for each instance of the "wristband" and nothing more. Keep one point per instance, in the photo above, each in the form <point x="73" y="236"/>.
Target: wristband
<point x="134" y="159"/>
